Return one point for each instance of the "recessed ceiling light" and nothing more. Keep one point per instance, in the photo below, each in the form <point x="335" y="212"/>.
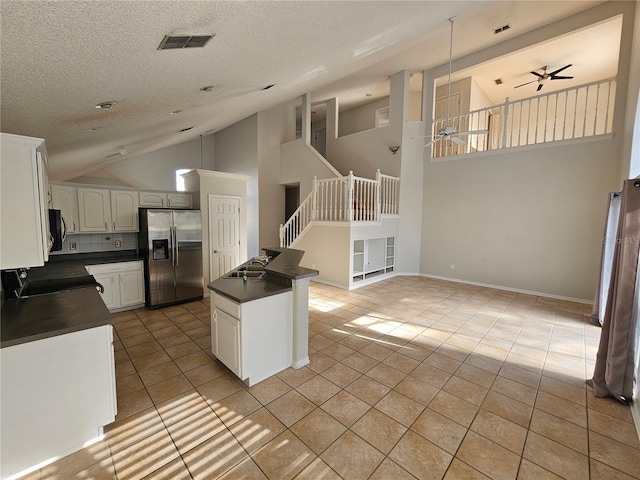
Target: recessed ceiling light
<point x="186" y="129"/>
<point x="269" y="86"/>
<point x="367" y="94"/>
<point x="502" y="28"/>
<point x="105" y="105"/>
<point x="208" y="88"/>
<point x="175" y="112"/>
<point x="93" y="129"/>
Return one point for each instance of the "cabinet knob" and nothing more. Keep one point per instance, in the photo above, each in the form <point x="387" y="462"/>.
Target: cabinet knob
<point x="105" y="226"/>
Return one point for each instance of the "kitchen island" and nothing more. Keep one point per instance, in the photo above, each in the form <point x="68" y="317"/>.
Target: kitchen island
<point x="57" y="369"/>
<point x="260" y="326"/>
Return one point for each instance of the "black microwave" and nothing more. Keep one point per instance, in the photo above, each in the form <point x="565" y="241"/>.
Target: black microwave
<point x="57" y="230"/>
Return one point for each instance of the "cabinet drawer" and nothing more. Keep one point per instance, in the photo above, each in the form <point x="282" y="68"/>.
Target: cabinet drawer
<point x="227" y="305"/>
<point x="115" y="267"/>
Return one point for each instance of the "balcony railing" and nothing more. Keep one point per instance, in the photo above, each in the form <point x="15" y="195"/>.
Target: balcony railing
<point x="344" y="199"/>
<point x="572" y="113"/>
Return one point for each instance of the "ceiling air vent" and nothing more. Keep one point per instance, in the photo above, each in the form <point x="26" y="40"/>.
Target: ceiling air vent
<point x="502" y="28"/>
<point x="194" y="41"/>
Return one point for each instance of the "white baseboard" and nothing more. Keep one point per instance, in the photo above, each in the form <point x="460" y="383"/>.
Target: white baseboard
<point x="635" y="411"/>
<point x="510" y="289"/>
<point x="301" y="363"/>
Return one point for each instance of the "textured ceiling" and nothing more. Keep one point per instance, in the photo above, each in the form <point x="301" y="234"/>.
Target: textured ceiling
<point x="60" y="58"/>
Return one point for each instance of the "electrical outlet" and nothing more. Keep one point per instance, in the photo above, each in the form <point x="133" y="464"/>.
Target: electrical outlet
<point x="73" y="246"/>
<point x="118" y="243"/>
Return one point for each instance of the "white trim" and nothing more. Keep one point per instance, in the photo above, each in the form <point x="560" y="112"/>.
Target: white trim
<point x="331" y="284"/>
<point x="370" y="281"/>
<point x="535" y="146"/>
<point x="215" y="173"/>
<point x="635" y="412"/>
<point x="301" y="363"/>
<point x="510" y="289"/>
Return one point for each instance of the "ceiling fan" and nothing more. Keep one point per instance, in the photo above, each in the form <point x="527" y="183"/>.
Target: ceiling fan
<point x="544" y="76"/>
<point x="450" y="132"/>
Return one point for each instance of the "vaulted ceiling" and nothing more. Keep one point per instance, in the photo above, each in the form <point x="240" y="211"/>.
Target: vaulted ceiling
<point x="59" y="59"/>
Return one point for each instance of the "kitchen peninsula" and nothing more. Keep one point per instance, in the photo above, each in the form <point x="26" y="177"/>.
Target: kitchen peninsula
<point x="259" y="315"/>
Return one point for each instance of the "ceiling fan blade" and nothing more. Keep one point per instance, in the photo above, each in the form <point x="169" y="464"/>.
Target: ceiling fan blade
<point x="458" y="140"/>
<point x="559" y="70"/>
<point x="433" y="141"/>
<point x="518" y="86"/>
<point x="560" y="77"/>
<point x="539" y="87"/>
<point x="538" y="74"/>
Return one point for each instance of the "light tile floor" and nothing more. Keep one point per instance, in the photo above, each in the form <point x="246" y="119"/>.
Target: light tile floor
<point x="409" y="378"/>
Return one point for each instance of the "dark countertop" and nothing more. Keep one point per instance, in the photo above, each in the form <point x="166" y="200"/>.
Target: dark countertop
<point x="35" y="318"/>
<point x="60" y="266"/>
<point x="280" y="273"/>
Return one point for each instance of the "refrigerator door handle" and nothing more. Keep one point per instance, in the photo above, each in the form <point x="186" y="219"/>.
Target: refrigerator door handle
<point x="173" y="247"/>
<point x="175" y="243"/>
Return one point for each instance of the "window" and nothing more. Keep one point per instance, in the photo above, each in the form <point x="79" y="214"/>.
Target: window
<point x="180" y="187"/>
<point x="382" y="116"/>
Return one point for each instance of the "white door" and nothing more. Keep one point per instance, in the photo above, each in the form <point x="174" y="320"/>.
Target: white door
<point x="110" y="294"/>
<point x="224" y="234"/>
<point x="227" y="348"/>
<point x="441" y="106"/>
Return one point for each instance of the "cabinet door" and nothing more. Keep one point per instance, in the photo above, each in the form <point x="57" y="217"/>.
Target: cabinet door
<point x="179" y="200"/>
<point x="153" y="199"/>
<point x="65" y="199"/>
<point x="111" y="291"/>
<point x="94" y="208"/>
<point x="24" y="217"/>
<point x="124" y="211"/>
<point x="228" y="341"/>
<point x="131" y="288"/>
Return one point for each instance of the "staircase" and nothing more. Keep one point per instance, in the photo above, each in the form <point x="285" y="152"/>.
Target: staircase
<point x="343" y="199"/>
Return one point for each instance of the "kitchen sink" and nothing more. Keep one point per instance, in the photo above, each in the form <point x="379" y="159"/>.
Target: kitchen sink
<point x="53" y="285"/>
<point x="242" y="273"/>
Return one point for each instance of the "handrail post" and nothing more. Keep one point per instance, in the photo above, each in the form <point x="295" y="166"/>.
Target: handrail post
<point x="378" y="192"/>
<point x="350" y="196"/>
<point x="281" y="236"/>
<point x="506" y="123"/>
<point x="314" y="199"/>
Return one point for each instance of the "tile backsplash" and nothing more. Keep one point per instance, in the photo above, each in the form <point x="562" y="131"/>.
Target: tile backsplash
<point x="98" y="242"/>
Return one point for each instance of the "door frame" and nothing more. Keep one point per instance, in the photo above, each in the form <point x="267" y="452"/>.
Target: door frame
<point x="212" y="228"/>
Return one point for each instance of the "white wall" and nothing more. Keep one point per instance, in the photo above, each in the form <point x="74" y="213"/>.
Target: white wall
<point x="275" y="126"/>
<point x="529" y="220"/>
<point x="360" y="118"/>
<point x="156" y="170"/>
<point x="328" y="249"/>
<point x="204" y="183"/>
<point x="299" y="163"/>
<point x="236" y="151"/>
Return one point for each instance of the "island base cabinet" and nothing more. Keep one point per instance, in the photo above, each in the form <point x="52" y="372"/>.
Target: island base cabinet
<point x="253" y="339"/>
<point x="57" y="395"/>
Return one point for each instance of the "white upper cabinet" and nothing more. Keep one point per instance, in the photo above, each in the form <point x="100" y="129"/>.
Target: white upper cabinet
<point x="65" y="199"/>
<point x="23" y="202"/>
<point x="94" y="209"/>
<point x="124" y="211"/>
<point x="165" y="199"/>
<point x="153" y="199"/>
<point x="179" y="200"/>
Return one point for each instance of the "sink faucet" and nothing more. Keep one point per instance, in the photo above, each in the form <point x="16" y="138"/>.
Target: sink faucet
<point x="261" y="262"/>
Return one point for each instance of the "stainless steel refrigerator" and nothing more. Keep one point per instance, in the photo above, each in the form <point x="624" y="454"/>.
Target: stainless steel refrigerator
<point x="170" y="241"/>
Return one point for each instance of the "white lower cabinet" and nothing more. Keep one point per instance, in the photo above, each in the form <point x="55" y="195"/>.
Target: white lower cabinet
<point x="123" y="284"/>
<point x="253" y="339"/>
<point x="57" y="395"/>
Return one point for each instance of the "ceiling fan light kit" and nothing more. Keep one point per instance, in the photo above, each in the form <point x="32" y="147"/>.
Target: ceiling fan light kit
<point x="544" y="76"/>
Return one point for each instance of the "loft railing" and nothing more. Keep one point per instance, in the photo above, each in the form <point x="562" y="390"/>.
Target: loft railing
<point x="343" y="199"/>
<point x="572" y="113"/>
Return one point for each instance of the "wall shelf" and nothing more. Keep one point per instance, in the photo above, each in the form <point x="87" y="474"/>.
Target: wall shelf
<point x="372" y="257"/>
